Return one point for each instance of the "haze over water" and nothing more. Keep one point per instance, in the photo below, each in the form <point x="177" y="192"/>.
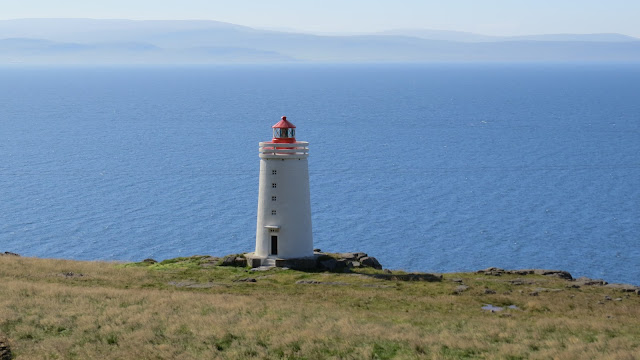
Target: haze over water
<point x="427" y="167"/>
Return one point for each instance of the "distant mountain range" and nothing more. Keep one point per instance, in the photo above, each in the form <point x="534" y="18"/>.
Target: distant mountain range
<point x="89" y="41"/>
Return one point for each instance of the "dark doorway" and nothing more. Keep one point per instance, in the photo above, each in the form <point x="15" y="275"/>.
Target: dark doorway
<point x="274" y="245"/>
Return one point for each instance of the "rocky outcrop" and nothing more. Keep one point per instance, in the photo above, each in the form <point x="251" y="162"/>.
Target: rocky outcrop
<point x="494" y="271"/>
<point x="371" y="262"/>
<point x="8" y="253"/>
<point x="234" y="260"/>
<point x="409" y="277"/>
<point x="5" y="349"/>
<point x="343" y="261"/>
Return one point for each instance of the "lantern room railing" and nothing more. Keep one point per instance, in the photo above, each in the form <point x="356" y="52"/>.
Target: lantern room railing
<point x="270" y="150"/>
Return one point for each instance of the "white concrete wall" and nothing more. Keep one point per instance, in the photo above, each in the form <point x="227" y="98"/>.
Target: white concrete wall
<point x="292" y="205"/>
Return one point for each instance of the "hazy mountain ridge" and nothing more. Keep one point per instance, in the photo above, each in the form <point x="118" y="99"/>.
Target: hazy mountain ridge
<point x="77" y="41"/>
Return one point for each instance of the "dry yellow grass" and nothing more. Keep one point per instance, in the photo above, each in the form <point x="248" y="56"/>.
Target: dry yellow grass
<point x="55" y="309"/>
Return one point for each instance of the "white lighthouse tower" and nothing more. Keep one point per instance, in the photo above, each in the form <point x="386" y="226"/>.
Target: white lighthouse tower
<point x="284" y="208"/>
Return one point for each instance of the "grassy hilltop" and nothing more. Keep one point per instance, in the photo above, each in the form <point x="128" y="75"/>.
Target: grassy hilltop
<point x="187" y="309"/>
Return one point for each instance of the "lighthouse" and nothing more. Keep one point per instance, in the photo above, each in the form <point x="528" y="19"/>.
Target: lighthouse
<point x="283" y="228"/>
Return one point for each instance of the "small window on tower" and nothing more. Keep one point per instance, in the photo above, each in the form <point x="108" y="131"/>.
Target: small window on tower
<point x="273" y="212"/>
<point x="273" y="185"/>
<point x="274" y="172"/>
<point x="273" y="198"/>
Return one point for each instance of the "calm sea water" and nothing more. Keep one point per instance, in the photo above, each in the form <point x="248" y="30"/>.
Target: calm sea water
<point x="430" y="168"/>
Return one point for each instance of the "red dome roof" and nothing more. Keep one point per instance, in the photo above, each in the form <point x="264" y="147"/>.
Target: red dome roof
<point x="284" y="124"/>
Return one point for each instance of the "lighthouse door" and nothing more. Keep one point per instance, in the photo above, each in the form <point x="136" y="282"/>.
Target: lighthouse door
<point x="274" y="245"/>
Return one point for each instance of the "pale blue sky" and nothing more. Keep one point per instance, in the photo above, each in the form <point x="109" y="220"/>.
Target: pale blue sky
<point x="492" y="17"/>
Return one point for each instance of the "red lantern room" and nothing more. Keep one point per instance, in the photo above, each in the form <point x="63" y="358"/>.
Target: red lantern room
<point x="284" y="132"/>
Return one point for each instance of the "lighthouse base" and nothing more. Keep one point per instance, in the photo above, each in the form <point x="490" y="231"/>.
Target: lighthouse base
<point x="303" y="263"/>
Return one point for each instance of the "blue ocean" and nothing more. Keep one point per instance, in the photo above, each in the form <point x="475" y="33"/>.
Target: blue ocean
<point x="438" y="168"/>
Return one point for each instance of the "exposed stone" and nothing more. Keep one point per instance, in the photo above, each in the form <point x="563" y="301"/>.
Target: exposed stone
<point x="356" y="264"/>
<point x="489" y="291"/>
<point x="5" y="349"/>
<point x="240" y="262"/>
<point x="608" y="298"/>
<point x="408" y="277"/>
<point x="371" y="262"/>
<point x="308" y="282"/>
<point x="520" y="272"/>
<point x="557" y="273"/>
<point x="228" y="260"/>
<point x="9" y="253"/>
<point x="341" y="265"/>
<point x="456" y="280"/>
<point x="329" y="264"/>
<point x="617" y="299"/>
<point x="623" y="287"/>
<point x="316" y="282"/>
<point x="317" y="250"/>
<point x="210" y="261"/>
<point x="303" y="264"/>
<point x="534" y="293"/>
<point x="249" y="280"/>
<point x="585" y="281"/>
<point x="72" y="274"/>
<point x="460" y="289"/>
<point x="353" y="256"/>
<point x="149" y="261"/>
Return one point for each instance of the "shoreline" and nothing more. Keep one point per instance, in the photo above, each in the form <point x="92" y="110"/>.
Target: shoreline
<point x="349" y="258"/>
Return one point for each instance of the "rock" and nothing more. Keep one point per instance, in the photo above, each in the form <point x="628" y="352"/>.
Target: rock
<point x="330" y="264"/>
<point x="585" y="281"/>
<point x="489" y="291"/>
<point x="460" y="289"/>
<point x="72" y="274"/>
<point x="456" y="281"/>
<point x="492" y="271"/>
<point x="5" y="349"/>
<point x="370" y="261"/>
<point x="240" y="262"/>
<point x="210" y="261"/>
<point x="249" y="280"/>
<point x="353" y="256"/>
<point x="534" y="293"/>
<point x="617" y="299"/>
<point x="302" y="264"/>
<point x="520" y="272"/>
<point x="556" y="273"/>
<point x="623" y="287"/>
<point x="356" y="264"/>
<point x="341" y="264"/>
<point x="149" y="261"/>
<point x="387" y="271"/>
<point x="608" y="298"/>
<point x="317" y="250"/>
<point x="228" y="260"/>
<point x="408" y="277"/>
<point x="519" y="282"/>
<point x="308" y="282"/>
<point x="9" y="253"/>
